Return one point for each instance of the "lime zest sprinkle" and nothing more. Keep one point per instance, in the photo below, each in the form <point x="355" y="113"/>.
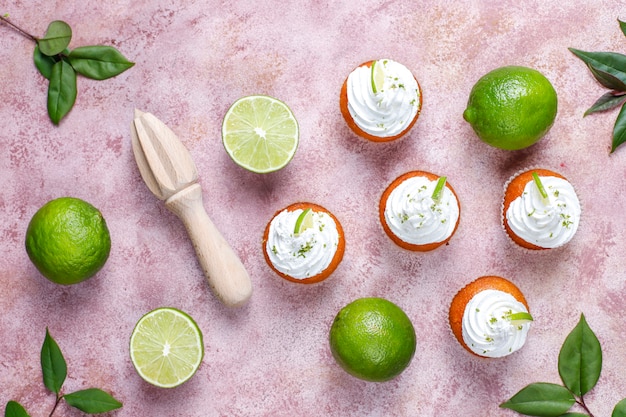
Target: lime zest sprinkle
<point x="539" y="185"/>
<point x="441" y="182"/>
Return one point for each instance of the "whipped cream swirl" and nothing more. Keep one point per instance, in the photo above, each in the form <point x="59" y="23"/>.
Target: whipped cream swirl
<point x="486" y="329"/>
<point x="413" y="215"/>
<point x="546" y="222"/>
<point x="306" y="254"/>
<point x="389" y="111"/>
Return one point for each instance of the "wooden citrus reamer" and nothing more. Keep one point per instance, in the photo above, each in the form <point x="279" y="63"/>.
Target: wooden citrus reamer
<point x="169" y="172"/>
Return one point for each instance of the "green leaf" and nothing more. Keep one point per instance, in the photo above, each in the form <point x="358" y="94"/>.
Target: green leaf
<point x="92" y="401"/>
<point x="15" y="409"/>
<point x="580" y="359"/>
<point x="43" y="62"/>
<point x="608" y="101"/>
<point x="619" y="130"/>
<point x="98" y="62"/>
<point x="620" y="409"/>
<point x="608" y="62"/>
<point x="607" y="79"/>
<point x="56" y="39"/>
<point x="541" y="399"/>
<point x="53" y="364"/>
<point x="622" y="26"/>
<point x="62" y="91"/>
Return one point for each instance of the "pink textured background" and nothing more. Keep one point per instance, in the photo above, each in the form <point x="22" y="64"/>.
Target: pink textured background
<point x="271" y="358"/>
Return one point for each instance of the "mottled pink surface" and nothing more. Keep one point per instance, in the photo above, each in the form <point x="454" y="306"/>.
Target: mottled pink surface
<point x="271" y="357"/>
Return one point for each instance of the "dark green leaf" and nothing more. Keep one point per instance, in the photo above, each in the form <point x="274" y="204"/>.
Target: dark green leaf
<point x="580" y="359"/>
<point x="99" y="62"/>
<point x="619" y="130"/>
<point x="56" y="39"/>
<point x="622" y="26"/>
<point x="541" y="399"/>
<point x="92" y="401"/>
<point x="608" y="101"/>
<point x="62" y="91"/>
<point x="14" y="409"/>
<point x="43" y="62"/>
<point x="609" y="62"/>
<point x="53" y="364"/>
<point x="607" y="80"/>
<point x="620" y="409"/>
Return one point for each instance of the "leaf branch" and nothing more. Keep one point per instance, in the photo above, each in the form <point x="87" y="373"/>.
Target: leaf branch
<point x="4" y="18"/>
<point x="60" y="66"/>
<point x="609" y="69"/>
<point x="54" y="370"/>
<point x="580" y="362"/>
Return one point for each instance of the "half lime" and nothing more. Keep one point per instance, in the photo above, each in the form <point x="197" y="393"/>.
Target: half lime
<point x="260" y="133"/>
<point x="166" y="347"/>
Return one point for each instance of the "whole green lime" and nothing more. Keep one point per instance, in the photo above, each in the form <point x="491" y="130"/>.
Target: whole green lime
<point x="68" y="240"/>
<point x="511" y="107"/>
<point x="372" y="339"/>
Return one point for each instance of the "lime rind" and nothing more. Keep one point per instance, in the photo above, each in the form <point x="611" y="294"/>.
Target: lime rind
<point x="166" y="347"/>
<point x="260" y="133"/>
<point x="377" y="76"/>
<point x="304" y="221"/>
<point x="540" y="186"/>
<point x="520" y="318"/>
<point x="438" y="192"/>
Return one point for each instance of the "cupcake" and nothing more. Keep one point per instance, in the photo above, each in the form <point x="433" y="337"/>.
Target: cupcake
<point x="540" y="210"/>
<point x="419" y="211"/>
<point x="303" y="243"/>
<point x="381" y="100"/>
<point x="490" y="318"/>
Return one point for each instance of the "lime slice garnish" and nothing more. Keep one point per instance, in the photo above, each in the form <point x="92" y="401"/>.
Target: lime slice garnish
<point x="439" y="189"/>
<point x="166" y="347"/>
<point x="260" y="133"/>
<point x="539" y="185"/>
<point x="377" y="76"/>
<point x="519" y="318"/>
<point x="304" y="221"/>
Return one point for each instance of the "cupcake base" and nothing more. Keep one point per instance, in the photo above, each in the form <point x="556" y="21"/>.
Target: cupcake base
<point x="465" y="295"/>
<point x="343" y="106"/>
<point x="336" y="260"/>
<point x="383" y="203"/>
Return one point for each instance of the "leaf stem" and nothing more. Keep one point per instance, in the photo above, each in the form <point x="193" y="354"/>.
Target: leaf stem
<point x="17" y="28"/>
<point x="581" y="402"/>
<point x="56" y="404"/>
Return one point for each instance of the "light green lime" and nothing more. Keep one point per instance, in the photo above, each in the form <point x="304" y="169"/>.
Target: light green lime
<point x="517" y="319"/>
<point x="68" y="240"/>
<point x="512" y="107"/>
<point x="166" y="347"/>
<point x="260" y="133"/>
<point x="303" y="222"/>
<point x="377" y="76"/>
<point x="372" y="339"/>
